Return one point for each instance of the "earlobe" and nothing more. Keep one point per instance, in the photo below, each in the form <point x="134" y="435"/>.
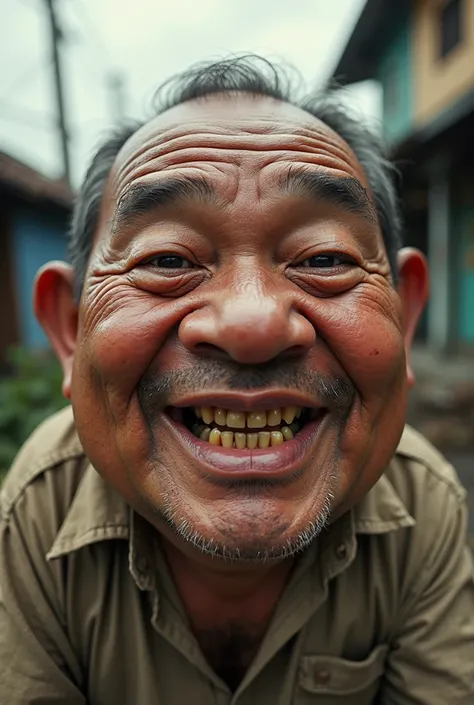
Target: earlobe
<point x="57" y="311"/>
<point x="413" y="289"/>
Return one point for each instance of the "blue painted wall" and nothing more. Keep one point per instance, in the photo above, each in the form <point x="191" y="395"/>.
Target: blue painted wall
<point x="463" y="231"/>
<point x="395" y="74"/>
<point x="37" y="238"/>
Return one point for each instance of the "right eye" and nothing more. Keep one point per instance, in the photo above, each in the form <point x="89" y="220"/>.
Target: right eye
<point x="168" y="261"/>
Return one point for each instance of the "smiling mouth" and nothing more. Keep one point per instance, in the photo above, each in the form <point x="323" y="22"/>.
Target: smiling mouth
<point x="260" y="429"/>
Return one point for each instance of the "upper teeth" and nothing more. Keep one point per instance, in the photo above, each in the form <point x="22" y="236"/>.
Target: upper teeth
<point x="252" y="419"/>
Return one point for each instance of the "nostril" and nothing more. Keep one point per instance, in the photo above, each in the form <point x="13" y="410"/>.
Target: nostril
<point x="295" y="351"/>
<point x="210" y="350"/>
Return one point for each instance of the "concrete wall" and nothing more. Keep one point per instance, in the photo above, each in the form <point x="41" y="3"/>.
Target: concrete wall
<point x="438" y="81"/>
<point x="395" y="67"/>
<point x="37" y="238"/>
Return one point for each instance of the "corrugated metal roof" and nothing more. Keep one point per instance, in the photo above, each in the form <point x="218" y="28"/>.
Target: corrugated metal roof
<point x="28" y="183"/>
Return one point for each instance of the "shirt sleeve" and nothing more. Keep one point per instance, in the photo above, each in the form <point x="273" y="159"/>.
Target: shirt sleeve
<point x="37" y="662"/>
<point x="432" y="657"/>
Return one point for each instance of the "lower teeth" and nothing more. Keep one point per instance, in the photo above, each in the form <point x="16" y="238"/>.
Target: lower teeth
<point x="231" y="439"/>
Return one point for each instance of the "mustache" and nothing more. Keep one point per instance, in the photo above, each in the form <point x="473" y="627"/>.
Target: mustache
<point x="158" y="390"/>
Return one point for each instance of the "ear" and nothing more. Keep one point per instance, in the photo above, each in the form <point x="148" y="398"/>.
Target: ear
<point x="413" y="289"/>
<point x="57" y="311"/>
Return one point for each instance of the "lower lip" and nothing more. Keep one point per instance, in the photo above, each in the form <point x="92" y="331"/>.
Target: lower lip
<point x="277" y="462"/>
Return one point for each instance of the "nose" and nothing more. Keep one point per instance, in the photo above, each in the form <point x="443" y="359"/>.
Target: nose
<point x="252" y="321"/>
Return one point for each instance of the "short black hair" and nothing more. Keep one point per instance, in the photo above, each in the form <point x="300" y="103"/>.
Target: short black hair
<point x="253" y="75"/>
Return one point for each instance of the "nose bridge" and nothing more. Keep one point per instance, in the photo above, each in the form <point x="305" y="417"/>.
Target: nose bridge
<point x="251" y="317"/>
<point x="254" y="296"/>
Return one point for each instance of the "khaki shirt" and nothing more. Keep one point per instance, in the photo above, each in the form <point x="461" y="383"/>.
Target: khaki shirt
<point x="379" y="610"/>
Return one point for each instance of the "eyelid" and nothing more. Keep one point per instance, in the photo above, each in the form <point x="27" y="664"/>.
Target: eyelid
<point x="344" y="258"/>
<point x="156" y="256"/>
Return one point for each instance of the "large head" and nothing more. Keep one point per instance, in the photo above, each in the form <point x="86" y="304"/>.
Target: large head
<point x="235" y="325"/>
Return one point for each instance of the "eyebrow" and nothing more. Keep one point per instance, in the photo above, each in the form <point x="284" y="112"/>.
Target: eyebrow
<point x="345" y="192"/>
<point x="142" y="199"/>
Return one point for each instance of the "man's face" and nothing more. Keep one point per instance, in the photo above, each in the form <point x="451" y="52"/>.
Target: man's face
<point x="240" y="370"/>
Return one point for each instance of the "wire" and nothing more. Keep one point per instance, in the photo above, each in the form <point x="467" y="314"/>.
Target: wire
<point x="80" y="8"/>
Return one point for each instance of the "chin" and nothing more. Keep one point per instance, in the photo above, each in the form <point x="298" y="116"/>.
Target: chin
<point x="250" y="529"/>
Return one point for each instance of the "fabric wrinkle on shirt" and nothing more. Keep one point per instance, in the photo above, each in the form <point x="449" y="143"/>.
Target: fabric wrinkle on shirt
<point x="90" y="613"/>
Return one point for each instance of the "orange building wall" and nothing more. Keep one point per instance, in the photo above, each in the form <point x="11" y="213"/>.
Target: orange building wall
<point x="439" y="82"/>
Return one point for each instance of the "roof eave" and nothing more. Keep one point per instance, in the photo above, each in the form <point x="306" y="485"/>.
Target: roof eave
<point x="358" y="61"/>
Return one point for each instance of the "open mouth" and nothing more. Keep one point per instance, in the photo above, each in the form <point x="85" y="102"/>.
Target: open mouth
<point x="229" y="428"/>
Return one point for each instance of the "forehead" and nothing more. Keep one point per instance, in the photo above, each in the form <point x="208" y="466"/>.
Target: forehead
<point x="222" y="137"/>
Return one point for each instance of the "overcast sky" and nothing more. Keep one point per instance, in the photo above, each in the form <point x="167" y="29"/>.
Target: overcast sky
<point x="147" y="41"/>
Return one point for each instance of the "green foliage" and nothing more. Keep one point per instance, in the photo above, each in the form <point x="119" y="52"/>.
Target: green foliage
<point x="27" y="396"/>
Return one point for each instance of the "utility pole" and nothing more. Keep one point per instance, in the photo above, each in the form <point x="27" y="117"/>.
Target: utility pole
<point x="56" y="37"/>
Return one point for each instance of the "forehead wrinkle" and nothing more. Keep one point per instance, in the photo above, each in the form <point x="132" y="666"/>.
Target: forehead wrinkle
<point x="194" y="159"/>
<point x="162" y="143"/>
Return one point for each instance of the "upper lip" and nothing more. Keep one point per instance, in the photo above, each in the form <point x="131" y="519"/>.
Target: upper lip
<point x="249" y="401"/>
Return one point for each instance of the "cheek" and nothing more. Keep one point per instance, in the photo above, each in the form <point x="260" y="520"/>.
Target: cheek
<point x="366" y="338"/>
<point x="122" y="332"/>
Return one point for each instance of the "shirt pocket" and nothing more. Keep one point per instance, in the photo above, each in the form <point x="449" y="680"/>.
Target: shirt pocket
<point x="328" y="680"/>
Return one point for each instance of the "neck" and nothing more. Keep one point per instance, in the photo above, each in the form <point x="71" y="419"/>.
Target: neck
<point x="205" y="582"/>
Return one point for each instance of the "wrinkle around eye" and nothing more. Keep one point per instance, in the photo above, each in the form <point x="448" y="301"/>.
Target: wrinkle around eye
<point x="378" y="299"/>
<point x="171" y="285"/>
<point x="317" y="283"/>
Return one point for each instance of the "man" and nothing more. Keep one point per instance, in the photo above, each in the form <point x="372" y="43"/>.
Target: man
<point x="233" y="513"/>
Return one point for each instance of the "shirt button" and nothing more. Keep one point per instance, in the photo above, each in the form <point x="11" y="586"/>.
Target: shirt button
<point x="322" y="676"/>
<point x="341" y="551"/>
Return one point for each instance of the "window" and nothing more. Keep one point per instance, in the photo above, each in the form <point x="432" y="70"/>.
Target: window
<point x="450" y="26"/>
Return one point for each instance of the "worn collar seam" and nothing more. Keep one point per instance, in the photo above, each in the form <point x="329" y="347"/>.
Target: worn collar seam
<point x="377" y="526"/>
<point x="47" y="462"/>
<point x="95" y="534"/>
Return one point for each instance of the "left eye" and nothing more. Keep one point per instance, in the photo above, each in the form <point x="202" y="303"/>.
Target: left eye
<point x="169" y="262"/>
<point x="324" y="261"/>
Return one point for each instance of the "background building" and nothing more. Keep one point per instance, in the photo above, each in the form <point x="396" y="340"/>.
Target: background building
<point x="34" y="213"/>
<point x="422" y="53"/>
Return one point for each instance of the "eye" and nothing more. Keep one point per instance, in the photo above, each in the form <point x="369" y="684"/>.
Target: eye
<point x="168" y="261"/>
<point x="325" y="261"/>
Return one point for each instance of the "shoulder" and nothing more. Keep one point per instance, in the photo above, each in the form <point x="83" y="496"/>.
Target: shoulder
<point x="422" y="476"/>
<point x="429" y="488"/>
<point x="50" y="463"/>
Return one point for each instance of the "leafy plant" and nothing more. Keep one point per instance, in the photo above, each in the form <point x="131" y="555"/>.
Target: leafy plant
<point x="28" y="394"/>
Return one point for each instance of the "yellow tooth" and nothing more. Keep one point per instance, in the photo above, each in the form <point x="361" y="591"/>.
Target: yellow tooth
<point x="273" y="417"/>
<point x="220" y="416"/>
<point x="289" y="413"/>
<point x="240" y="440"/>
<point x="252" y="440"/>
<point x="227" y="439"/>
<point x="204" y="435"/>
<point x="235" y="419"/>
<point x="264" y="439"/>
<point x="197" y="411"/>
<point x="215" y="437"/>
<point x="257" y="419"/>
<point x="207" y="414"/>
<point x="287" y="433"/>
<point x="276" y="438"/>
